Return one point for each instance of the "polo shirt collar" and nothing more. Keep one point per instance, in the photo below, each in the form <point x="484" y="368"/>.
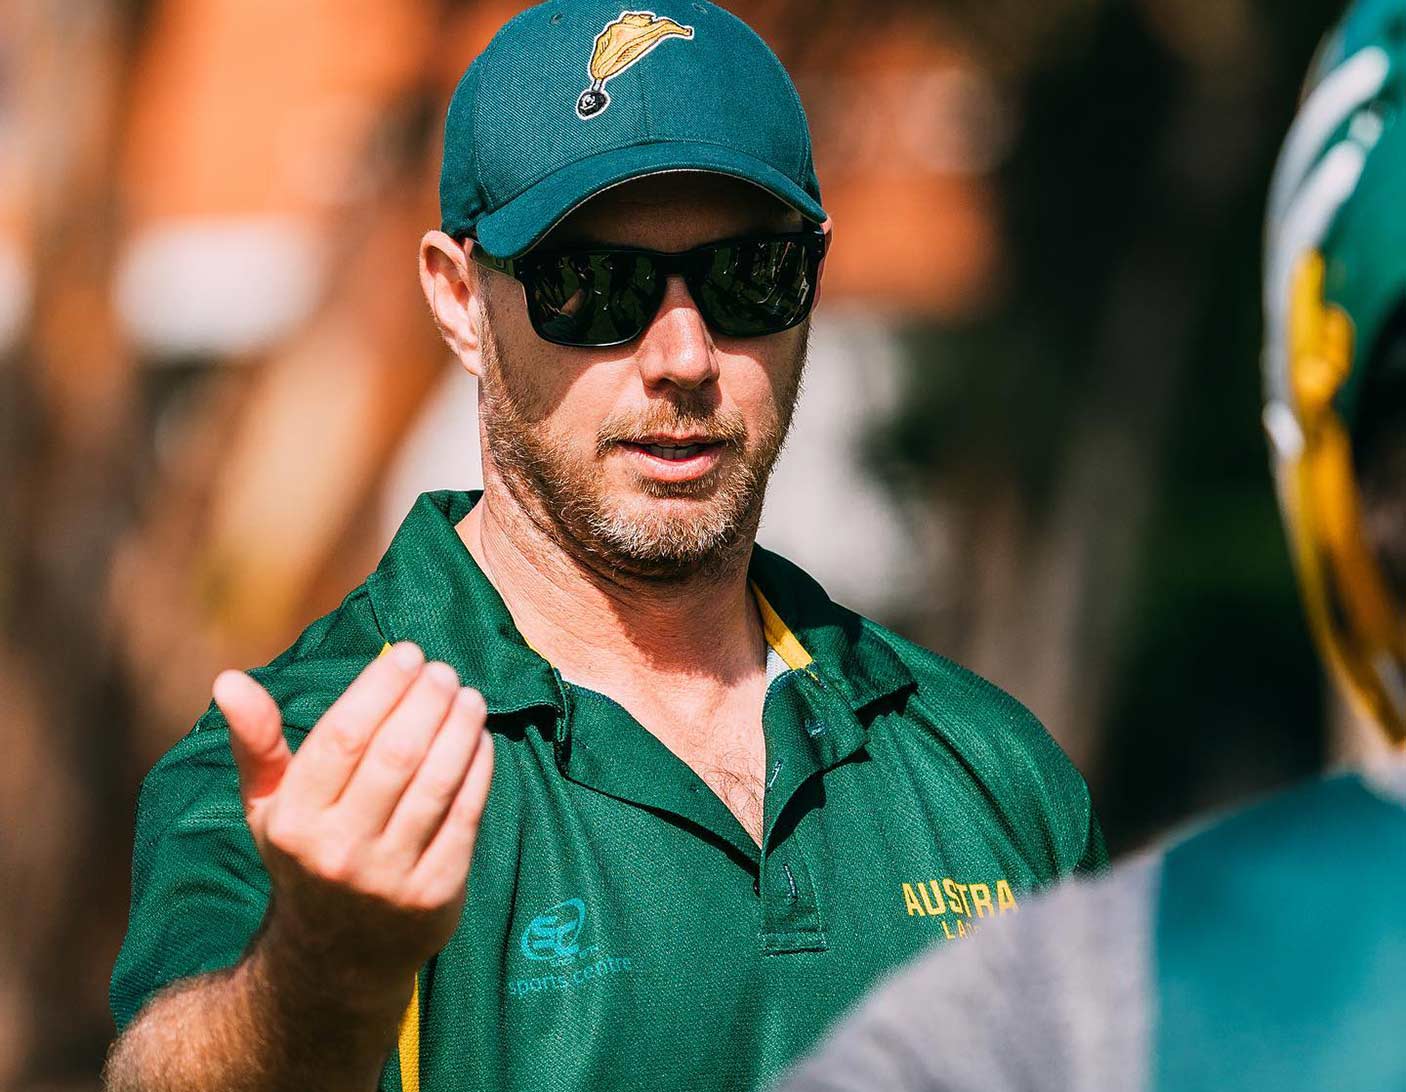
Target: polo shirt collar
<point x="834" y="645"/>
<point x="428" y="589"/>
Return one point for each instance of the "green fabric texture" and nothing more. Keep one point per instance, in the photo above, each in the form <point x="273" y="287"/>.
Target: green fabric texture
<point x="518" y="155"/>
<point x="1280" y="952"/>
<point x="621" y="929"/>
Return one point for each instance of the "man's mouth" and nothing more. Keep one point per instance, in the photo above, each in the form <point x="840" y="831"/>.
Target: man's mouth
<point x="674" y="458"/>
<point x="674" y="452"/>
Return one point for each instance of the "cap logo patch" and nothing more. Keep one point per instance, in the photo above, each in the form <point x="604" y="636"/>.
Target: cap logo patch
<point x="623" y="42"/>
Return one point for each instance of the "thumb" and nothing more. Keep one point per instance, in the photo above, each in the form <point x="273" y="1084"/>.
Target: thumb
<point x="255" y="734"/>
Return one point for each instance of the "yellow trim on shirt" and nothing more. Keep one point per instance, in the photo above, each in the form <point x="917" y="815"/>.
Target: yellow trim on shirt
<point x="779" y="635"/>
<point x="410" y="1043"/>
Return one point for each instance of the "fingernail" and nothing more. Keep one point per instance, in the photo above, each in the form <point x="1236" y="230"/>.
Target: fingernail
<point x="469" y="699"/>
<point x="224" y="682"/>
<point x="407" y="655"/>
<point x="443" y="675"/>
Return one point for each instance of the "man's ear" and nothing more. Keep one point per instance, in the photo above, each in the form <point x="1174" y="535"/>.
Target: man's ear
<point x="453" y="289"/>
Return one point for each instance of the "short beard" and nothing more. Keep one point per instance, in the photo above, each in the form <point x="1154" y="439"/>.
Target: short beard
<point x="565" y="500"/>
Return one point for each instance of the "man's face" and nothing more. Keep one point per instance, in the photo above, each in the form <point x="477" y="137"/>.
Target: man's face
<point x="651" y="457"/>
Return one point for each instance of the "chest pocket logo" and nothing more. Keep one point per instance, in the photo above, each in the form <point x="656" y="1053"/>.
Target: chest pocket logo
<point x="554" y="936"/>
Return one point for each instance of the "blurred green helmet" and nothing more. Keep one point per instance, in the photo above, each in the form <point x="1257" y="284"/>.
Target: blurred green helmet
<point x="1335" y="278"/>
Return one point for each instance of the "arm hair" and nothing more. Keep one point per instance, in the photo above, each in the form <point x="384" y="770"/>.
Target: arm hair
<point x="257" y="1027"/>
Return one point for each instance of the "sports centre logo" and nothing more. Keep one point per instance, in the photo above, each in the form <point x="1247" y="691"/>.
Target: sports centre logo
<point x="623" y="43"/>
<point x="553" y="938"/>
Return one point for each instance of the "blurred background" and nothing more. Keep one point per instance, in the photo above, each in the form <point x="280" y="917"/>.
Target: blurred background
<point x="1032" y="403"/>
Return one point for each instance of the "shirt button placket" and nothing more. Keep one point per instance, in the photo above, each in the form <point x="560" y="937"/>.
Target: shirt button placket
<point x="789" y="910"/>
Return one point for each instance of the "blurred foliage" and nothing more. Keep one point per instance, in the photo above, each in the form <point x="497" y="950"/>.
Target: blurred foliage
<point x="1127" y="146"/>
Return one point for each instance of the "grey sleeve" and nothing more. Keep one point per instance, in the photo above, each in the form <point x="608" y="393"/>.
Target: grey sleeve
<point x="1056" y="997"/>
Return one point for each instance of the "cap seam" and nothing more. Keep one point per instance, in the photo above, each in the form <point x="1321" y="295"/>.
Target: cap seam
<point x="476" y="70"/>
<point x="479" y="181"/>
<point x="806" y="158"/>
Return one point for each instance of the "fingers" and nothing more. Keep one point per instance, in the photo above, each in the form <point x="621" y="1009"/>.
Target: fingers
<point x="439" y="877"/>
<point x="396" y="750"/>
<point x="261" y="754"/>
<point x="421" y="810"/>
<point x="335" y="746"/>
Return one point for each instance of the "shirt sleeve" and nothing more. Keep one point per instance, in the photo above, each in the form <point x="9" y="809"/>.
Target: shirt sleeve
<point x="1095" y="857"/>
<point x="199" y="889"/>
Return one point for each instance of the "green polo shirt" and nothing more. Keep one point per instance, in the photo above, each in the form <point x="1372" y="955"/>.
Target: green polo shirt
<point x="622" y="930"/>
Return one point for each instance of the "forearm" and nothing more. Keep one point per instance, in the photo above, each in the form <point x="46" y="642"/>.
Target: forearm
<point x="264" y="1025"/>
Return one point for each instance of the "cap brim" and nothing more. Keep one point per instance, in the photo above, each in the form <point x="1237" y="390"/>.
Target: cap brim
<point x="520" y="224"/>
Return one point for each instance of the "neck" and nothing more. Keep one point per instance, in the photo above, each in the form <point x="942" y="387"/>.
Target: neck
<point x="604" y="629"/>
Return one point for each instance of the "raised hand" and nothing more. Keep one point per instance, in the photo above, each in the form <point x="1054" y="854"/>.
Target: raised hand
<point x="367" y="832"/>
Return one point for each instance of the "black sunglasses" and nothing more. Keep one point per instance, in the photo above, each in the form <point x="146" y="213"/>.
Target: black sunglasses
<point x="598" y="297"/>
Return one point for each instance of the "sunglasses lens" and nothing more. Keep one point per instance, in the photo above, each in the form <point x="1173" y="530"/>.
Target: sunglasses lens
<point x="600" y="298"/>
<point x="756" y="287"/>
<point x="593" y="299"/>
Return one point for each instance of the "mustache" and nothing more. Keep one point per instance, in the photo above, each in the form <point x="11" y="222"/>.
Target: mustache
<point x="719" y="427"/>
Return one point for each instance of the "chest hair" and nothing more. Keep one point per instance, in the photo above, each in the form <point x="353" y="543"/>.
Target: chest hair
<point x="729" y="757"/>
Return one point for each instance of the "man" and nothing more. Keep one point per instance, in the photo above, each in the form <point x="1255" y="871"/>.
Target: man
<point x="1267" y="950"/>
<point x="715" y="794"/>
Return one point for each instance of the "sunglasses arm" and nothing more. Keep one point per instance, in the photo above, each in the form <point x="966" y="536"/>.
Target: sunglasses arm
<point x="827" y="229"/>
<point x="481" y="257"/>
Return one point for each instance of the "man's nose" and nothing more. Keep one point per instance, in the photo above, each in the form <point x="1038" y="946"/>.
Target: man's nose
<point x="677" y="347"/>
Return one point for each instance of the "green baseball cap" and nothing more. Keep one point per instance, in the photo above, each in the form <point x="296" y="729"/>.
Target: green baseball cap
<point x="573" y="97"/>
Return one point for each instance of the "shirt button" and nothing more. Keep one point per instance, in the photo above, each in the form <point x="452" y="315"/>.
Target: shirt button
<point x="756" y="885"/>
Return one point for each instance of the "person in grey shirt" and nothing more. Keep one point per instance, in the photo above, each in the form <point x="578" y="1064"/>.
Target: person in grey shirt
<point x="1267" y="949"/>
